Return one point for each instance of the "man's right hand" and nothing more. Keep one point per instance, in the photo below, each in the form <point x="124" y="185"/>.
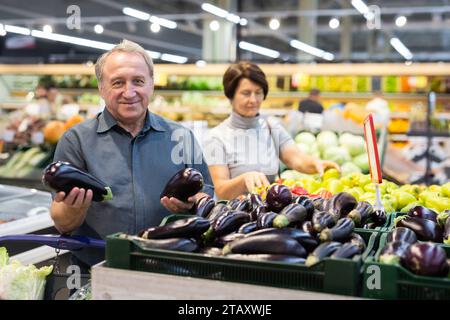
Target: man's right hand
<point x="77" y="198"/>
<point x="254" y="179"/>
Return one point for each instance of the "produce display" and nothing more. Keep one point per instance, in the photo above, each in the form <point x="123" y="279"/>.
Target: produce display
<point x="26" y="163"/>
<point x="20" y="282"/>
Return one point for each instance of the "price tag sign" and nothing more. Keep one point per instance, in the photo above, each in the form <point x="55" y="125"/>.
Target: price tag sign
<point x="372" y="150"/>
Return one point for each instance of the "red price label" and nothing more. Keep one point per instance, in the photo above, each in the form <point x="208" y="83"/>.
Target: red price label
<point x="372" y="150"/>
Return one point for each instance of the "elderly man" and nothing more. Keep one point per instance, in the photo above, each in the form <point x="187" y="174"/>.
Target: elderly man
<point x="132" y="150"/>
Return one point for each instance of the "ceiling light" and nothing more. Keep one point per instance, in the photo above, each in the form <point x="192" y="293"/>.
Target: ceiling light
<point x="98" y="28"/>
<point x="334" y="23"/>
<point x="274" y="24"/>
<point x="243" y="22"/>
<point x="173" y="58"/>
<point x="163" y="22"/>
<point x="312" y="50"/>
<point x="2" y="30"/>
<point x="214" y="10"/>
<point x="258" y="49"/>
<point x="214" y="25"/>
<point x="401" y="48"/>
<point x="233" y="18"/>
<point x="135" y="13"/>
<point x="19" y="30"/>
<point x="154" y="27"/>
<point x="201" y="63"/>
<point x="47" y="28"/>
<point x="408" y="62"/>
<point x="360" y="6"/>
<point x="400" y="21"/>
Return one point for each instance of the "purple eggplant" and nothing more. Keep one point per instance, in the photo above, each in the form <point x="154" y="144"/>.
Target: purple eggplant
<point x="307" y="203"/>
<point x="341" y="204"/>
<point x="319" y="204"/>
<point x="233" y="203"/>
<point x="402" y="234"/>
<point x="268" y="257"/>
<point x="426" y="259"/>
<point x="425" y="230"/>
<point x="308" y="226"/>
<point x="340" y="232"/>
<point x="256" y="201"/>
<point x="308" y="241"/>
<point x="227" y="222"/>
<point x="357" y="240"/>
<point x="423" y="213"/>
<point x="324" y="250"/>
<point x="244" y="205"/>
<point x="292" y="215"/>
<point x="184" y="184"/>
<point x="361" y="213"/>
<point x="347" y="251"/>
<point x="447" y="232"/>
<point x="248" y="227"/>
<point x="268" y="244"/>
<point x="183" y="228"/>
<point x="322" y="220"/>
<point x="216" y="211"/>
<point x="63" y="176"/>
<point x="203" y="206"/>
<point x="278" y="197"/>
<point x="379" y="218"/>
<point x="226" y="239"/>
<point x="257" y="212"/>
<point x="393" y="252"/>
<point x="176" y="244"/>
<point x="265" y="220"/>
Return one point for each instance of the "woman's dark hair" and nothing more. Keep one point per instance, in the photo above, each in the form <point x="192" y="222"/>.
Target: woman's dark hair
<point x="243" y="70"/>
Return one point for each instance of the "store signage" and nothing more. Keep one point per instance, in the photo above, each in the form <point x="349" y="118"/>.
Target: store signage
<point x="372" y="149"/>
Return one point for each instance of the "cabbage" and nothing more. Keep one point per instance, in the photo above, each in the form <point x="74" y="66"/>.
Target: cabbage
<point x="354" y="144"/>
<point x="293" y="175"/>
<point x="336" y="154"/>
<point x="19" y="282"/>
<point x="345" y="138"/>
<point x="325" y="139"/>
<point x="362" y="161"/>
<point x="305" y="137"/>
<point x="304" y="148"/>
<point x="349" y="168"/>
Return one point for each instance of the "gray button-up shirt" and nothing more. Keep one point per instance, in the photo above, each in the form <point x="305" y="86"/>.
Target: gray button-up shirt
<point x="136" y="169"/>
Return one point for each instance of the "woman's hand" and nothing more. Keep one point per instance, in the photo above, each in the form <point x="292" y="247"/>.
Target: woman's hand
<point x="322" y="165"/>
<point x="254" y="179"/>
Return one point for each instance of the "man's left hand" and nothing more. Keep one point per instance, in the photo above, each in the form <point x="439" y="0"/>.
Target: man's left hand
<point x="177" y="206"/>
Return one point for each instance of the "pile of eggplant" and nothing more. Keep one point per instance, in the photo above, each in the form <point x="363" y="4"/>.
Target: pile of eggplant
<point x="422" y="258"/>
<point x="426" y="224"/>
<point x="283" y="228"/>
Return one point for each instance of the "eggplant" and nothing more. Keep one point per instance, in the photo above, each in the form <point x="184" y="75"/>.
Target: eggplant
<point x="244" y="205"/>
<point x="426" y="259"/>
<point x="357" y="240"/>
<point x="256" y="201"/>
<point x="216" y="211"/>
<point x="401" y="234"/>
<point x="268" y="257"/>
<point x="183" y="228"/>
<point x="248" y="227"/>
<point x="447" y="232"/>
<point x="308" y="241"/>
<point x="340" y="232"/>
<point x="322" y="220"/>
<point x="291" y="215"/>
<point x="378" y="217"/>
<point x="265" y="220"/>
<point x="232" y="204"/>
<point x="211" y="251"/>
<point x="324" y="250"/>
<point x="224" y="240"/>
<point x="278" y="197"/>
<point x="63" y="176"/>
<point x="425" y="230"/>
<point x="393" y="252"/>
<point x="361" y="213"/>
<point x="347" y="251"/>
<point x="257" y="212"/>
<point x="183" y="184"/>
<point x="307" y="203"/>
<point x="269" y="244"/>
<point x="307" y="226"/>
<point x="423" y="213"/>
<point x="341" y="204"/>
<point x="177" y="244"/>
<point x="319" y="204"/>
<point x="227" y="222"/>
<point x="203" y="206"/>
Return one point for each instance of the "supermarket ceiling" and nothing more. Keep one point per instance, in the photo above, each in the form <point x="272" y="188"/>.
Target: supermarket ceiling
<point x="334" y="30"/>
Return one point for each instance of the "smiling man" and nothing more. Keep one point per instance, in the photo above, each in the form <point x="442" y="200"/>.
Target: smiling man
<point x="131" y="150"/>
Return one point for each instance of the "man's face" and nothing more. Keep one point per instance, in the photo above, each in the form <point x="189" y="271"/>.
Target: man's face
<point x="126" y="86"/>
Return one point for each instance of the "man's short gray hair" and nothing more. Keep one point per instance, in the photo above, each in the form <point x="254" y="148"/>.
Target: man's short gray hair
<point x="124" y="46"/>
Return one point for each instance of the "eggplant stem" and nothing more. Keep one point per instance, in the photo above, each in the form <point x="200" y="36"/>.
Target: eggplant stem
<point x="108" y="195"/>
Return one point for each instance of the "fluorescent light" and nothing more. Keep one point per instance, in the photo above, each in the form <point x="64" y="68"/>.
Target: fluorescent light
<point x="401" y="48"/>
<point x="400" y="21"/>
<point x="328" y="56"/>
<point x="19" y="30"/>
<point x="154" y="27"/>
<point x="154" y="54"/>
<point x="274" y="24"/>
<point x="214" y="25"/>
<point x="135" y="13"/>
<point x="173" y="58"/>
<point x="233" y="18"/>
<point x="2" y="30"/>
<point x="163" y="22"/>
<point x="72" y="40"/>
<point x="258" y="49"/>
<point x="47" y="28"/>
<point x="334" y="23"/>
<point x="98" y="28"/>
<point x="360" y="6"/>
<point x="214" y="10"/>
<point x="311" y="50"/>
<point x="243" y="22"/>
<point x="201" y="63"/>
